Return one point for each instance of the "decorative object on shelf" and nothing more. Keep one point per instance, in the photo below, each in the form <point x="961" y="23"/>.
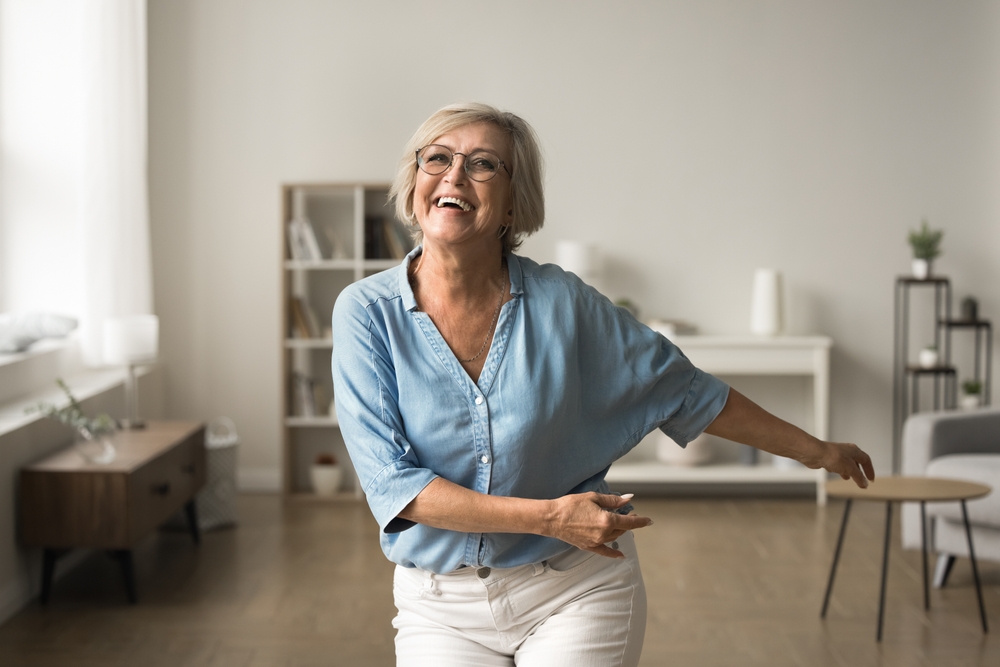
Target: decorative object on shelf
<point x="303" y="244"/>
<point x="325" y="475"/>
<point x="132" y="340"/>
<point x="766" y="311"/>
<point x="669" y="329"/>
<point x="970" y="309"/>
<point x="926" y="245"/>
<point x="785" y="463"/>
<point x="698" y="451"/>
<point x="928" y="357"/>
<point x="628" y="305"/>
<point x="92" y="434"/>
<point x="579" y="258"/>
<point x="749" y="456"/>
<point x="971" y="395"/>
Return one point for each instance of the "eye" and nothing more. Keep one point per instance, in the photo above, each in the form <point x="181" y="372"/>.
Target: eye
<point x="434" y="155"/>
<point x="484" y="162"/>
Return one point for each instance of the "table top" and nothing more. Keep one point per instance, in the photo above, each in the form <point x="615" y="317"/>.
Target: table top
<point x="134" y="447"/>
<point x="908" y="489"/>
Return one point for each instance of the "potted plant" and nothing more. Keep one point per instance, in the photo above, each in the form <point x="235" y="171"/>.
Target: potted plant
<point x="971" y="390"/>
<point x="325" y="475"/>
<point x="93" y="434"/>
<point x="928" y="356"/>
<point x="926" y="245"/>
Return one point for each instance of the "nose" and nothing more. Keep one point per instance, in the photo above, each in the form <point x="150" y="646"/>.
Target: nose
<point x="456" y="172"/>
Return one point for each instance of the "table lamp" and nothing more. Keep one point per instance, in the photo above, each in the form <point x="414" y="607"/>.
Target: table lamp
<point x="132" y="340"/>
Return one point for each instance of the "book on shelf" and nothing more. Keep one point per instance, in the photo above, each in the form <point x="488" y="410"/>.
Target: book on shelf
<point x="385" y="238"/>
<point x="303" y="396"/>
<point x="305" y="324"/>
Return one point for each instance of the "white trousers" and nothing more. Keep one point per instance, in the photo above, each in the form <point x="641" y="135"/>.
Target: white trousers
<point x="576" y="610"/>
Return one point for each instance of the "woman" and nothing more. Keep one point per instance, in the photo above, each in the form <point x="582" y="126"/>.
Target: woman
<point x="483" y="397"/>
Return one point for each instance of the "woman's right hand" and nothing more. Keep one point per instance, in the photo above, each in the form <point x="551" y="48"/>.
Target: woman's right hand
<point x="588" y="521"/>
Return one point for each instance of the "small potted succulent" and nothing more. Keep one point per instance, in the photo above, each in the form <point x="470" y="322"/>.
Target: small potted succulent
<point x="325" y="475"/>
<point x="926" y="245"/>
<point x="971" y="392"/>
<point x="928" y="357"/>
<point x="93" y="434"/>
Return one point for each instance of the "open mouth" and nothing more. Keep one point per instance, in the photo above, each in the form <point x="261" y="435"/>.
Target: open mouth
<point x="454" y="202"/>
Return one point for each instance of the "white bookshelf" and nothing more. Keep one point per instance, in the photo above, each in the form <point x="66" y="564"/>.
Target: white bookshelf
<point x="337" y="213"/>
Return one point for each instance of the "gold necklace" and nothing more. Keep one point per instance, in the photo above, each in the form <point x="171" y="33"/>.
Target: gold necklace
<point x="496" y="316"/>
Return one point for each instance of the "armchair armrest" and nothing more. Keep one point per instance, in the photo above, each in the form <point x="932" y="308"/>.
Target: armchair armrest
<point x="931" y="435"/>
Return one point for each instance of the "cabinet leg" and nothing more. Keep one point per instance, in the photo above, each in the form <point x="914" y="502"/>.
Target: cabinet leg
<point x="49" y="558"/>
<point x="124" y="558"/>
<point x="191" y="510"/>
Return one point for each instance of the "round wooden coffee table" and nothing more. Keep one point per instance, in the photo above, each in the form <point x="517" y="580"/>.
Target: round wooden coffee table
<point x="906" y="489"/>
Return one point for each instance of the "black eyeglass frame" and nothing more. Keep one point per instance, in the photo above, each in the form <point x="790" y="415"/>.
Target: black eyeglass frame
<point x="465" y="163"/>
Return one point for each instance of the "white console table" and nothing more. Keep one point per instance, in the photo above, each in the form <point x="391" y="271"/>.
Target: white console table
<point x="748" y="355"/>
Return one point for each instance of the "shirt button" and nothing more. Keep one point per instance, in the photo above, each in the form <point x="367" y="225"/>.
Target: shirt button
<point x="485" y="459"/>
<point x="479" y="400"/>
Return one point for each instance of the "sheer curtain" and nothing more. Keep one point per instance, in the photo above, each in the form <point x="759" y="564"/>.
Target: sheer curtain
<point x="114" y="201"/>
<point x="74" y="215"/>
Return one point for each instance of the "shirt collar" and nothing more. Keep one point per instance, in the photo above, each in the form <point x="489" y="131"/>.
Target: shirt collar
<point x="406" y="291"/>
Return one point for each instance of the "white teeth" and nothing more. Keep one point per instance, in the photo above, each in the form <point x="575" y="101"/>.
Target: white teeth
<point x="465" y="206"/>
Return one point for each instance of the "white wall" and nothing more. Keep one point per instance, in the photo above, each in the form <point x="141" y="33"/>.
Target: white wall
<point x="694" y="140"/>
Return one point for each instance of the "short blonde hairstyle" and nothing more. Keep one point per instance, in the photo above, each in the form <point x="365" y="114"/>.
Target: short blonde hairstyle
<point x="527" y="196"/>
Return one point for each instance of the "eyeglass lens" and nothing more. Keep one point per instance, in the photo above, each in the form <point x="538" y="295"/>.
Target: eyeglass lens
<point x="479" y="165"/>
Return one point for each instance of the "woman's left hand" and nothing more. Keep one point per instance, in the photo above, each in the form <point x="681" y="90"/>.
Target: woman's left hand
<point x="841" y="458"/>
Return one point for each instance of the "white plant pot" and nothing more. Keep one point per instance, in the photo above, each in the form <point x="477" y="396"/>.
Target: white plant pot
<point x="325" y="479"/>
<point x="697" y="452"/>
<point x="928" y="358"/>
<point x="969" y="401"/>
<point x="921" y="269"/>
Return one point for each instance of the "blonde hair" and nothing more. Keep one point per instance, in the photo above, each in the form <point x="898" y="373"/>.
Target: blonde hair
<point x="527" y="196"/>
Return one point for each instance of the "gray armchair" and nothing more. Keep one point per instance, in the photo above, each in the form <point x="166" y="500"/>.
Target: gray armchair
<point x="955" y="445"/>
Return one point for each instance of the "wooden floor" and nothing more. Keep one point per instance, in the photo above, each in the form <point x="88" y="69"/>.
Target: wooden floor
<point x="730" y="582"/>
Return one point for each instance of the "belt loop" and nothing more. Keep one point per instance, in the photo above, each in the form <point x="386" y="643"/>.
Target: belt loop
<point x="432" y="584"/>
<point x="540" y="567"/>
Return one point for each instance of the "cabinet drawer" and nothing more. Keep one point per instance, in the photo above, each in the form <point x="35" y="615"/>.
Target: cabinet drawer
<point x="164" y="484"/>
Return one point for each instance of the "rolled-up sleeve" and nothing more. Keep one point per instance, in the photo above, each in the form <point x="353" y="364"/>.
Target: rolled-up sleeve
<point x="366" y="395"/>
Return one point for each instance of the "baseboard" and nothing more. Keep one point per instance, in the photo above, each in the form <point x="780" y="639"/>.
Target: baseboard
<point x="257" y="480"/>
<point x="17" y="594"/>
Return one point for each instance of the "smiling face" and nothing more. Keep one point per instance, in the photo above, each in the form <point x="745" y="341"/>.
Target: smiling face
<point x="452" y="208"/>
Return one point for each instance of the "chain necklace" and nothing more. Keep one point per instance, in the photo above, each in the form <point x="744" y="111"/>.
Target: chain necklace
<point x="496" y="316"/>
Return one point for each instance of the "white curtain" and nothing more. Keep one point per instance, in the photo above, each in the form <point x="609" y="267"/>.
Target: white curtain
<point x="114" y="201"/>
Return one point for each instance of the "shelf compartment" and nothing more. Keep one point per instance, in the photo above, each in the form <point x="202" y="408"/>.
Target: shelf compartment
<point x="312" y="422"/>
<point x="309" y="343"/>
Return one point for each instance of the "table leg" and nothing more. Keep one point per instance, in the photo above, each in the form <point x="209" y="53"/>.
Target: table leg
<point x="923" y="550"/>
<point x="191" y="510"/>
<point x="975" y="570"/>
<point x="49" y="558"/>
<point x="836" y="557"/>
<point x="124" y="558"/>
<point x="885" y="569"/>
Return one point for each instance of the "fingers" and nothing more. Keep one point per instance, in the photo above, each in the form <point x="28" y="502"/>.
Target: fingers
<point x="610" y="501"/>
<point x="606" y="551"/>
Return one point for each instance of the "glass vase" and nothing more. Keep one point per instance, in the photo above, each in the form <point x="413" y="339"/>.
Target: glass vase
<point x="96" y="449"/>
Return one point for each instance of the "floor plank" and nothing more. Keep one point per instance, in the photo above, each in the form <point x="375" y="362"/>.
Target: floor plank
<point x="730" y="582"/>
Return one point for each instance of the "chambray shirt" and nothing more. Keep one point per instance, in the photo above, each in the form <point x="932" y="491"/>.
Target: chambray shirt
<point x="571" y="383"/>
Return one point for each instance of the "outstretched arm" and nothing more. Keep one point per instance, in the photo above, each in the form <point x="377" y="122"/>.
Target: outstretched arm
<point x="744" y="421"/>
<point x="579" y="519"/>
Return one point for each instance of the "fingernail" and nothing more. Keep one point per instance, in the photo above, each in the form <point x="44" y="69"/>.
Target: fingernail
<point x="627" y="496"/>
<point x="650" y="523"/>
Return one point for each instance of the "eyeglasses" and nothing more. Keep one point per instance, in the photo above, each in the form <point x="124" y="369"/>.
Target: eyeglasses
<point x="480" y="165"/>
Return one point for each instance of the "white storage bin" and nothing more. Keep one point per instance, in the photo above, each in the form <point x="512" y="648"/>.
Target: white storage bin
<point x="216" y="502"/>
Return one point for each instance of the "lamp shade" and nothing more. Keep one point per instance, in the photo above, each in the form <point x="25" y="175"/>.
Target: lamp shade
<point x="579" y="258"/>
<point x="131" y="339"/>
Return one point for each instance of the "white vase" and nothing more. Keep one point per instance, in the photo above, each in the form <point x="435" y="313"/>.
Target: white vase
<point x="697" y="452"/>
<point x="96" y="449"/>
<point x="928" y="358"/>
<point x="766" y="312"/>
<point x="969" y="401"/>
<point x="921" y="269"/>
<point x="325" y="479"/>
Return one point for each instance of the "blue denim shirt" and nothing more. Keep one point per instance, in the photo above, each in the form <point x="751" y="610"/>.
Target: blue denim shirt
<point x="571" y="383"/>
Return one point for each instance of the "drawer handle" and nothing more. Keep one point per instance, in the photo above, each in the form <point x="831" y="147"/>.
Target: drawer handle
<point x="188" y="468"/>
<point x="161" y="489"/>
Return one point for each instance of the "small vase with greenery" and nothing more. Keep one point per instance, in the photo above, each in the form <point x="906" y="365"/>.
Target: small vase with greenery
<point x="92" y="433"/>
<point x="971" y="390"/>
<point x="926" y="245"/>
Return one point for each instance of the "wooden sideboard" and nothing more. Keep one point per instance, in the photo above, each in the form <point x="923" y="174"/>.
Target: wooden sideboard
<point x="66" y="502"/>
